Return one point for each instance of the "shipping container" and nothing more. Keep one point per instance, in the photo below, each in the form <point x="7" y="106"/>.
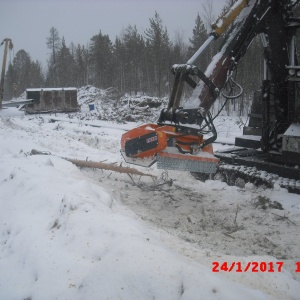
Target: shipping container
<point x="52" y="100"/>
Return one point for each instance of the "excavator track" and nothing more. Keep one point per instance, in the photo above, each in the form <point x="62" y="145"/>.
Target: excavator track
<point x="239" y="175"/>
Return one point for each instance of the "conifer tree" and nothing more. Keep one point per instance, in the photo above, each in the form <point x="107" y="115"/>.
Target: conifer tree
<point x="22" y="73"/>
<point x="158" y="52"/>
<point x="21" y="65"/>
<point x="102" y="63"/>
<point x="65" y="66"/>
<point x="199" y="37"/>
<point x="134" y="50"/>
<point x="36" y="75"/>
<point x="53" y="43"/>
<point x="80" y="66"/>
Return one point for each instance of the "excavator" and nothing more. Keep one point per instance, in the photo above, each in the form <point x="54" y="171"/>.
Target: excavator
<point x="183" y="136"/>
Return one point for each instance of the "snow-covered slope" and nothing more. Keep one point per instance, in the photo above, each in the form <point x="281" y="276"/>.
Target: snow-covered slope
<point x="69" y="233"/>
<point x="63" y="237"/>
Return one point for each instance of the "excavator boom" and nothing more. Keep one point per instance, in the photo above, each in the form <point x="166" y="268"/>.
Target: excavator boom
<point x="169" y="143"/>
<point x="183" y="136"/>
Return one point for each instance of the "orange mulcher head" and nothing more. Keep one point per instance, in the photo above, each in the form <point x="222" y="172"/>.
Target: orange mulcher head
<point x="172" y="150"/>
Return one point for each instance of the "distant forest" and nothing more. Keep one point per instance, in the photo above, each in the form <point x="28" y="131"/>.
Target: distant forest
<point x="133" y="63"/>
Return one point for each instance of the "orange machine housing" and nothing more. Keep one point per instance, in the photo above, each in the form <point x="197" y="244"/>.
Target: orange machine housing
<point x="165" y="144"/>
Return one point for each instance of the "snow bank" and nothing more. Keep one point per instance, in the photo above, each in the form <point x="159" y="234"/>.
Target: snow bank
<point x="63" y="237"/>
<point x="65" y="234"/>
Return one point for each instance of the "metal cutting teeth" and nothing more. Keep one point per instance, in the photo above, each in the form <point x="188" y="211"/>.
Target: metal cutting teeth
<point x="170" y="163"/>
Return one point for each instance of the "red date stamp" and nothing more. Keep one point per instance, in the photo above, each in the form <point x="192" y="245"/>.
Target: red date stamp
<point x="297" y="267"/>
<point x="251" y="266"/>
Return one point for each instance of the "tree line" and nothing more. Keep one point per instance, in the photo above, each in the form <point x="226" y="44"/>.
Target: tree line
<point x="133" y="63"/>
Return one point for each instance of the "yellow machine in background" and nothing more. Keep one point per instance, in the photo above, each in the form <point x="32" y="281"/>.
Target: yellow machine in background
<point x="7" y="45"/>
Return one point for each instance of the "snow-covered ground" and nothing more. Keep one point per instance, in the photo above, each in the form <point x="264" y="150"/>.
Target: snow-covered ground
<point x="70" y="233"/>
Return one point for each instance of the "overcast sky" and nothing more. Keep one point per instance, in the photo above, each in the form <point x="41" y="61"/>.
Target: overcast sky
<point x="27" y="22"/>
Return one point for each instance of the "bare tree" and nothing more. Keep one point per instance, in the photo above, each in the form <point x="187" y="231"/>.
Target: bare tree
<point x="181" y="45"/>
<point x="208" y="14"/>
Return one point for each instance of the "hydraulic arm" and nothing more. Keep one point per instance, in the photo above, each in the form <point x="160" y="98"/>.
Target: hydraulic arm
<point x="178" y="140"/>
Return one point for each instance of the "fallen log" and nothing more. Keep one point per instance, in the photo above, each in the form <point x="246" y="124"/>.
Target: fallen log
<point x="98" y="165"/>
<point x="111" y="167"/>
